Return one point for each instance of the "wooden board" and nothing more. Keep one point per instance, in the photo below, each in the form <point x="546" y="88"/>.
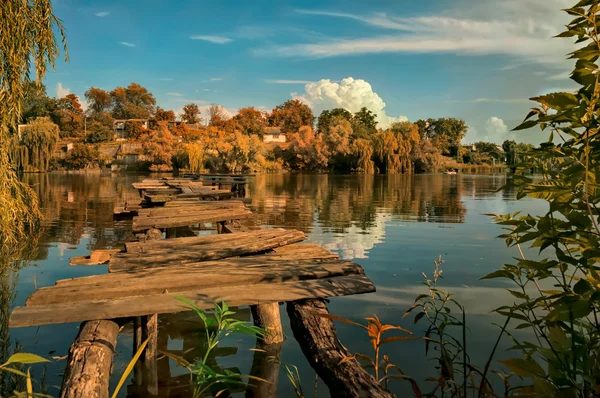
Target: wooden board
<point x="212" y="194"/>
<point x="190" y="206"/>
<point x="199" y="217"/>
<point x="34" y="315"/>
<point x="177" y="251"/>
<point x="194" y="276"/>
<point x="95" y="258"/>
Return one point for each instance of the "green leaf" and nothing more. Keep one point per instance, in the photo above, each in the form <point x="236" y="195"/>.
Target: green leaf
<point x="558" y="100"/>
<point x="25" y="358"/>
<point x="524" y="367"/>
<point x="526" y="125"/>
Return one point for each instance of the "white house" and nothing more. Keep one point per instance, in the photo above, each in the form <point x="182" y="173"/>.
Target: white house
<point x="273" y="134"/>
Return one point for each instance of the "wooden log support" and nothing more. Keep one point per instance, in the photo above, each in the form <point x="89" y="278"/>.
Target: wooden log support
<point x="90" y="361"/>
<point x="150" y="332"/>
<point x="137" y="342"/>
<point x="317" y="338"/>
<point x="267" y="317"/>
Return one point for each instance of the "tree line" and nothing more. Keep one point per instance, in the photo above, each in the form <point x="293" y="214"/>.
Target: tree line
<point x="337" y="140"/>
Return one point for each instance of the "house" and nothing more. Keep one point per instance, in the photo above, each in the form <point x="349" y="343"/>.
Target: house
<point x="273" y="134"/>
<point x="119" y="126"/>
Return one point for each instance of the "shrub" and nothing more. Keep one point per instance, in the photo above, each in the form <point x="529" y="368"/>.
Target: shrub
<point x="82" y="156"/>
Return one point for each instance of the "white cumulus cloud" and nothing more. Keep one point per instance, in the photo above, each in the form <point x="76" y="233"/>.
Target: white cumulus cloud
<point x="62" y="91"/>
<point x="351" y="94"/>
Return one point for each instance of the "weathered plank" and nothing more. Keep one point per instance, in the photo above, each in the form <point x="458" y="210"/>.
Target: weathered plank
<point x="209" y="195"/>
<point x="239" y="272"/>
<point x="261" y="293"/>
<point x="180" y="251"/>
<point x="90" y="361"/>
<point x="95" y="258"/>
<point x="190" y="208"/>
<point x="199" y="217"/>
<point x="318" y="340"/>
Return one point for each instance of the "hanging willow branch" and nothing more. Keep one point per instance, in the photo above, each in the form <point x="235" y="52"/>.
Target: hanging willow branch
<point x="27" y="42"/>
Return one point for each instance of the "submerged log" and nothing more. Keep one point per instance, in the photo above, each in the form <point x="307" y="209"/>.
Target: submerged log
<point x="317" y="338"/>
<point x="90" y="361"/>
<point x="265" y="366"/>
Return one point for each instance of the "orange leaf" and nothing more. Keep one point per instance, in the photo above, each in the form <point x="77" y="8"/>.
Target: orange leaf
<point x="340" y="319"/>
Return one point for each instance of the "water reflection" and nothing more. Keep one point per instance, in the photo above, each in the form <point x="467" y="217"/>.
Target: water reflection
<point x="394" y="226"/>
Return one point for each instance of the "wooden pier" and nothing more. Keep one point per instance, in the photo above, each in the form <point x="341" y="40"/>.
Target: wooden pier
<point x="259" y="268"/>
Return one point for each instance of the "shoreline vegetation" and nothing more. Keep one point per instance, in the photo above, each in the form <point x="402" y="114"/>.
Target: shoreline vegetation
<point x="124" y="130"/>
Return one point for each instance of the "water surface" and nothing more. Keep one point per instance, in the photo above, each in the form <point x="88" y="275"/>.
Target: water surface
<point x="394" y="226"/>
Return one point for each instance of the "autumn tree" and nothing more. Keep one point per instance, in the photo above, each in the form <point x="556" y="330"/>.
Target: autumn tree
<point x="164" y="115"/>
<point x="135" y="129"/>
<point x="216" y="115"/>
<point x="291" y="115"/>
<point x="191" y="114"/>
<point x="68" y="115"/>
<point x="159" y="147"/>
<point x="132" y="102"/>
<point x="337" y="139"/>
<point x="308" y="150"/>
<point x="251" y="121"/>
<point x="98" y="100"/>
<point x="325" y="117"/>
<point x="82" y="156"/>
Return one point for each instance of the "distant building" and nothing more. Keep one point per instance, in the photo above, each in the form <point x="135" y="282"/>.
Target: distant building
<point x="119" y="126"/>
<point x="273" y="134"/>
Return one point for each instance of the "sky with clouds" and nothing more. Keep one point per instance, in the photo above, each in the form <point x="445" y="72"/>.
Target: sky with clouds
<point x="478" y="60"/>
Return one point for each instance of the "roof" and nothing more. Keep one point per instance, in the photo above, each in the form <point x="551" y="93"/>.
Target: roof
<point x="272" y="130"/>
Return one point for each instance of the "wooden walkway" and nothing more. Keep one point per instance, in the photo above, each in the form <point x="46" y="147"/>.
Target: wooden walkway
<point x="258" y="268"/>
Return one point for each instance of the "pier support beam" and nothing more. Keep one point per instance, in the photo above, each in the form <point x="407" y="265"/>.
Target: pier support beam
<point x="150" y="331"/>
<point x="267" y="317"/>
<point x="317" y="338"/>
<point x="90" y="361"/>
<point x="264" y="367"/>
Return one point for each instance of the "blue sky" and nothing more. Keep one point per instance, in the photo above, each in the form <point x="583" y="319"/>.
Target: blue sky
<point x="478" y="60"/>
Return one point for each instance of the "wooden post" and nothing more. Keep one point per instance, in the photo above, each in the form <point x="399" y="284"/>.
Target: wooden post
<point x="317" y="338"/>
<point x="90" y="361"/>
<point x="267" y="317"/>
<point x="266" y="367"/>
<point x="150" y="331"/>
<point x="137" y="342"/>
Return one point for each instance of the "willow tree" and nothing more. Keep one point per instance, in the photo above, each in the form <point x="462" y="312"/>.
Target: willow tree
<point x="32" y="151"/>
<point x="27" y="44"/>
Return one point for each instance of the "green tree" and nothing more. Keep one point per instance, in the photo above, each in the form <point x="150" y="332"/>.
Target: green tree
<point x="291" y="115"/>
<point x="365" y="123"/>
<point x="36" y="102"/>
<point x="27" y="42"/>
<point x="132" y="102"/>
<point x="191" y="114"/>
<point x="82" y="156"/>
<point x="32" y="152"/>
<point x="97" y="133"/>
<point x="510" y="149"/>
<point x="326" y="116"/>
<point x="446" y="134"/>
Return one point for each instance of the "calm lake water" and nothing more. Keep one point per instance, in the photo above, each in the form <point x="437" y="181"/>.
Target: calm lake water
<point x="394" y="226"/>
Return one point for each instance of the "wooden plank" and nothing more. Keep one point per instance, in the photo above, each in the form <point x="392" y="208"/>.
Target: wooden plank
<point x="190" y="208"/>
<point x="200" y="217"/>
<point x="197" y="276"/>
<point x="180" y="251"/>
<point x="95" y="258"/>
<point x="204" y="299"/>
